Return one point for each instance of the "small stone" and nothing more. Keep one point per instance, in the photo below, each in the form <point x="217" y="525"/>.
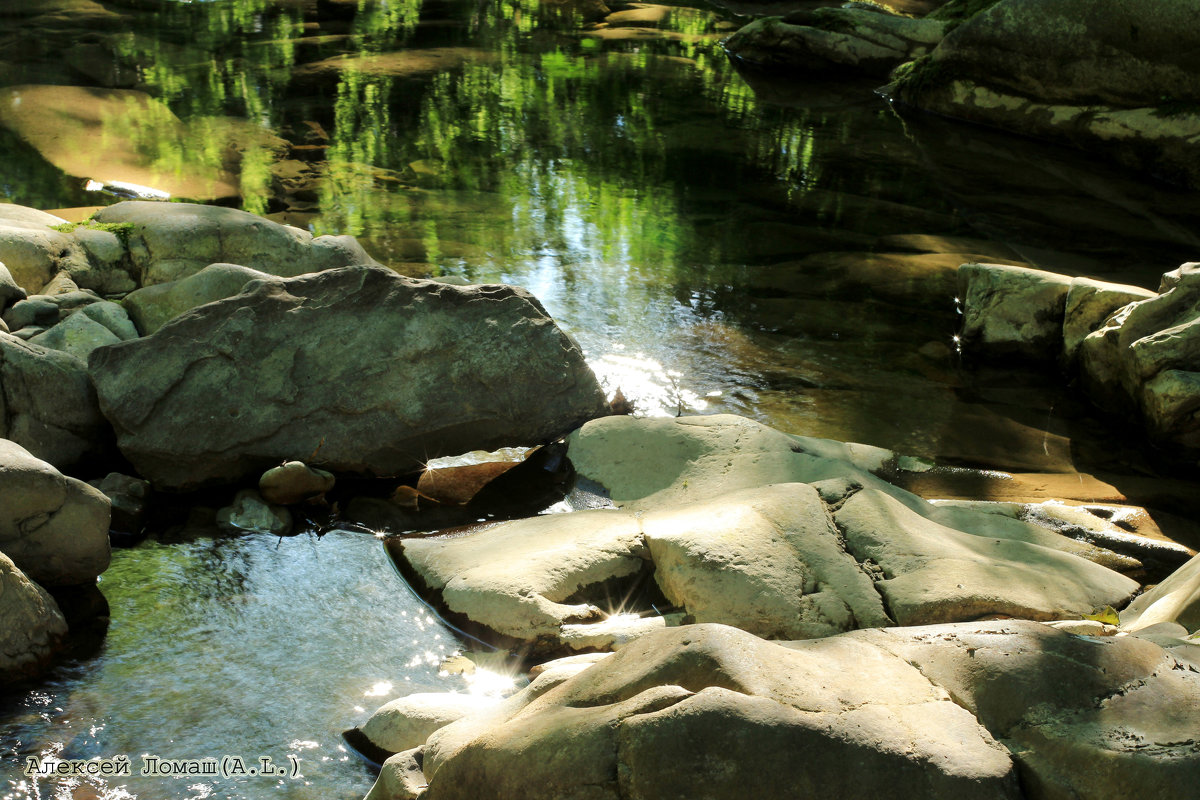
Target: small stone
<point x="249" y="512"/>
<point x="36" y="310"/>
<point x="294" y="482"/>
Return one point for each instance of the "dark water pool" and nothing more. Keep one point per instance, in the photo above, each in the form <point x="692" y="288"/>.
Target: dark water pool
<point x="717" y="241"/>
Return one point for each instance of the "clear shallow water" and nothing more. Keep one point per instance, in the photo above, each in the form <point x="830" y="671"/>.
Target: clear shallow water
<point x="248" y="646"/>
<point x="716" y="242"/>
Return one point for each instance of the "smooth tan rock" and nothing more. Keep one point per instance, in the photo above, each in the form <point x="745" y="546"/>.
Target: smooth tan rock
<point x="54" y="528"/>
<point x="516" y="578"/>
<point x="699" y="711"/>
<point x="32" y="628"/>
<point x="936" y="574"/>
<point x="1177" y="599"/>
<point x="10" y="292"/>
<point x="766" y="560"/>
<point x="294" y="482"/>
<point x="400" y="778"/>
<point x="406" y="722"/>
<point x="1089" y="303"/>
<point x="1084" y="716"/>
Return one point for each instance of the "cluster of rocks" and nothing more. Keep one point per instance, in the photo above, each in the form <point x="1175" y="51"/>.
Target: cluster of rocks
<point x="206" y="346"/>
<point x="884" y="656"/>
<point x="1131" y="350"/>
<point x="1109" y="76"/>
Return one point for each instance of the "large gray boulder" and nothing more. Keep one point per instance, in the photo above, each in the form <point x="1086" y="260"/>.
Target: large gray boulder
<point x="1012" y="311"/>
<point x="53" y="527"/>
<point x="711" y="711"/>
<point x="32" y="628"/>
<point x="170" y="241"/>
<point x="38" y="246"/>
<point x="371" y="372"/>
<point x="151" y="307"/>
<point x="77" y="335"/>
<point x="1117" y="77"/>
<point x="48" y="404"/>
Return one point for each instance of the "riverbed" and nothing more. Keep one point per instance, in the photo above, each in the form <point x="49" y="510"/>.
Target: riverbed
<point x="716" y="240"/>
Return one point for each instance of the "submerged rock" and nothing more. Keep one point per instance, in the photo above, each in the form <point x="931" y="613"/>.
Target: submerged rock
<point x="250" y="512"/>
<point x="170" y="241"/>
<point x="53" y="527"/>
<point x="379" y="372"/>
<point x="32" y="628"/>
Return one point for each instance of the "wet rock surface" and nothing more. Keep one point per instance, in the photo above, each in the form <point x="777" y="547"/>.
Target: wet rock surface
<point x="32" y="628"/>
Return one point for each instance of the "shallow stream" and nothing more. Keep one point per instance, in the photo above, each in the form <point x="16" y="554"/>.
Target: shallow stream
<point x="716" y="241"/>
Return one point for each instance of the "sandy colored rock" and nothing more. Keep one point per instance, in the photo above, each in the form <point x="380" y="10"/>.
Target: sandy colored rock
<point x="766" y="560"/>
<point x="294" y="482"/>
<point x="654" y="463"/>
<point x="933" y="573"/>
<point x="518" y="578"/>
<point x="32" y="628"/>
<point x="698" y="710"/>
<point x="154" y="306"/>
<point x="406" y="722"/>
<point x="1089" y="303"/>
<point x="170" y="241"/>
<point x="94" y="133"/>
<point x="1177" y="599"/>
<point x="1084" y="716"/>
<point x="379" y="372"/>
<point x="54" y="528"/>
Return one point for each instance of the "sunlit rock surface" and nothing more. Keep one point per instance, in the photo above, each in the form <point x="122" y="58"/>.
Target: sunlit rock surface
<point x="782" y="536"/>
<point x="31" y="626"/>
<point x="375" y="372"/>
<point x="702" y="710"/>
<point x="1176" y="599"/>
<point x="171" y="241"/>
<point x="53" y="527"/>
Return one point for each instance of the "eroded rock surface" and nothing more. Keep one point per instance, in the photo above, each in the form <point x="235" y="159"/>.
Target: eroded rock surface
<point x="374" y="372"/>
<point x="783" y="536"/>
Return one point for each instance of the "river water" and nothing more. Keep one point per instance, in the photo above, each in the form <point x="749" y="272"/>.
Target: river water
<point x="716" y="241"/>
